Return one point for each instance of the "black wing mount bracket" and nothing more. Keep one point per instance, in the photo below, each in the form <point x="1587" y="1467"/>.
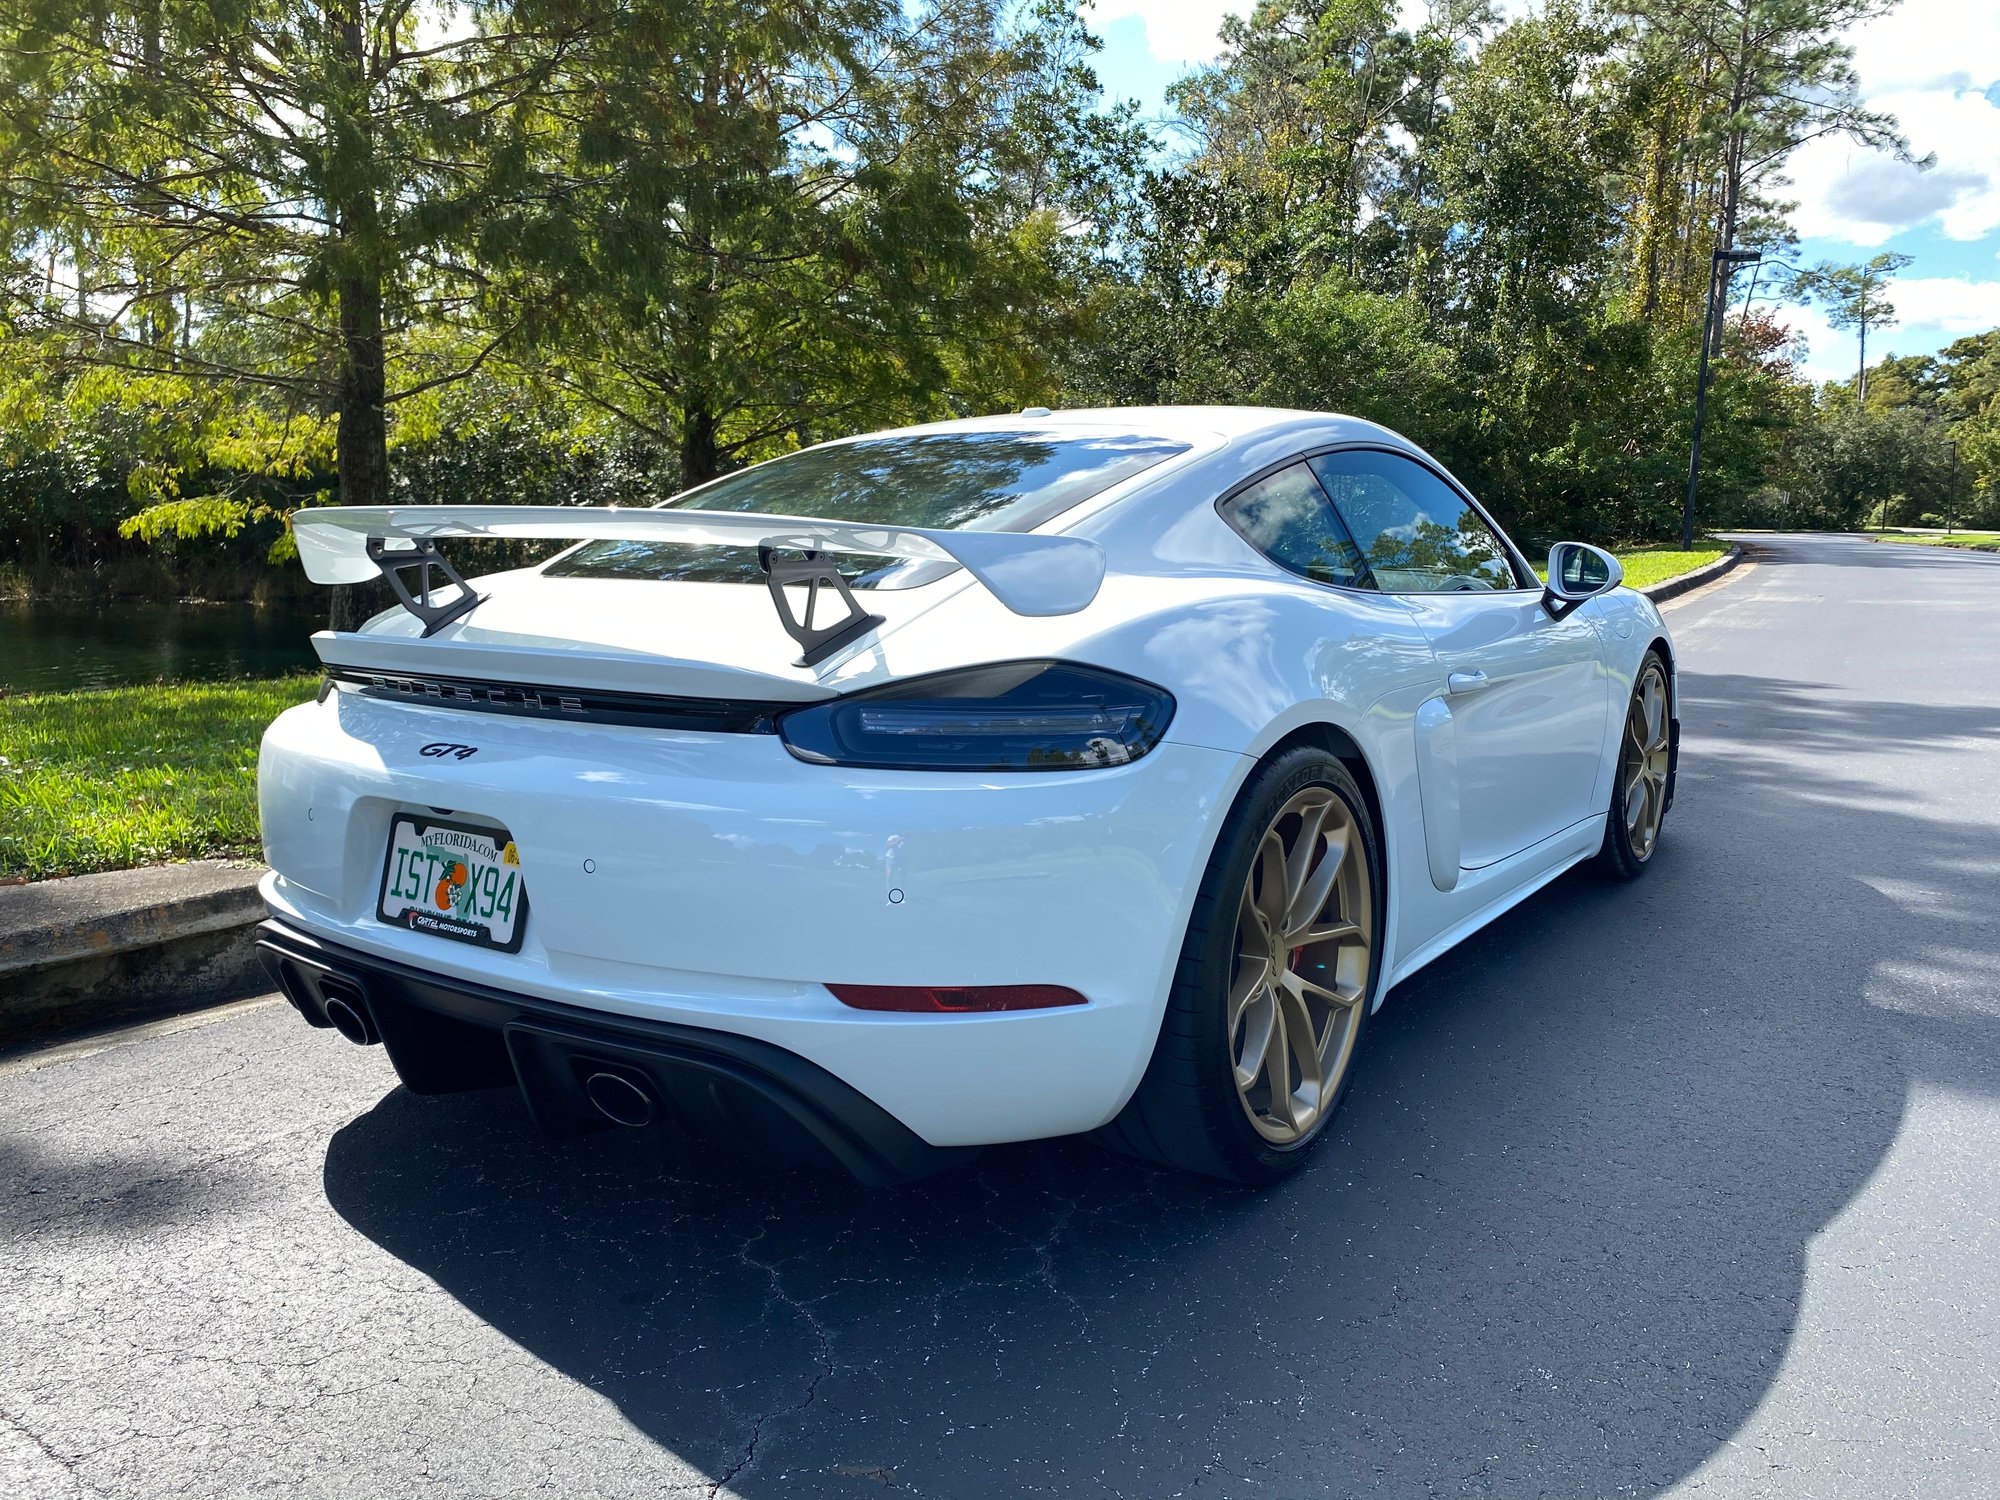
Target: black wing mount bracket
<point x="423" y="555"/>
<point x="814" y="569"/>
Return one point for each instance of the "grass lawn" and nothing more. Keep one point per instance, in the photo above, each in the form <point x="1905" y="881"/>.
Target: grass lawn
<point x="1649" y="565"/>
<point x="1978" y="541"/>
<point x="134" y="775"/>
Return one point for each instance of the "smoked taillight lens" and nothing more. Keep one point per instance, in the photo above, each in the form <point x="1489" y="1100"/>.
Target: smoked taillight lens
<point x="1010" y="716"/>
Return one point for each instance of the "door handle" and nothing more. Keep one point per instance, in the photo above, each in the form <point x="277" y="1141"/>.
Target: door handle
<point x="1465" y="682"/>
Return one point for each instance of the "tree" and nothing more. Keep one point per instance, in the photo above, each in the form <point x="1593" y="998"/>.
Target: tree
<point x="1958" y="387"/>
<point x="772" y="225"/>
<point x="1855" y="462"/>
<point x="1854" y="297"/>
<point x="1732" y="88"/>
<point x="270" y="194"/>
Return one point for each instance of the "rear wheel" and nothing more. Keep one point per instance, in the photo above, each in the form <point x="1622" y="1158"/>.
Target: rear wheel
<point x="1275" y="976"/>
<point x="1639" y="790"/>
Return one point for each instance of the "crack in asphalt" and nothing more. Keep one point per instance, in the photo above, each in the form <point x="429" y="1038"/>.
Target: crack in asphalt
<point x="826" y="1361"/>
<point x="62" y="1461"/>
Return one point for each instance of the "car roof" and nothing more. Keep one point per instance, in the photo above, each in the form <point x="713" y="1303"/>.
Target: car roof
<point x="1178" y="422"/>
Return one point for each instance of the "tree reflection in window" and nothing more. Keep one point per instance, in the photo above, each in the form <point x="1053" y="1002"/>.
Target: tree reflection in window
<point x="948" y="481"/>
<point x="1419" y="537"/>
<point x="1286" y="517"/>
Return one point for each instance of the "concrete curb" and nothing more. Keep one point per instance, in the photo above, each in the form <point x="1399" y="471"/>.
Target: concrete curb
<point x="97" y="949"/>
<point x="1673" y="588"/>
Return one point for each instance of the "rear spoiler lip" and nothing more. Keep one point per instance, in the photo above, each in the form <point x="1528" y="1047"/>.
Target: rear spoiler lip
<point x="1030" y="573"/>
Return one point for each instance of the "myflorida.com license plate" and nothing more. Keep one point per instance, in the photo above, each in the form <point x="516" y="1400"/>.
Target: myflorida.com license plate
<point x="455" y="881"/>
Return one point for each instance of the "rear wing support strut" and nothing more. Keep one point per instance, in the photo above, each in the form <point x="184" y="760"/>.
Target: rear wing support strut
<point x="813" y="568"/>
<point x="423" y="555"/>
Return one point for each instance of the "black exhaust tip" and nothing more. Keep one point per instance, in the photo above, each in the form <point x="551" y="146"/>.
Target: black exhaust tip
<point x="619" y="1099"/>
<point x="347" y="1012"/>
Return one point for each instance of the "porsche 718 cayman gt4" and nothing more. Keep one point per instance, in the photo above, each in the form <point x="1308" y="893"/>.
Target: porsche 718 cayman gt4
<point x="976" y="782"/>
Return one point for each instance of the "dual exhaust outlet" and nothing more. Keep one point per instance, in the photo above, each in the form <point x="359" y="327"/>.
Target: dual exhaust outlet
<point x="618" y="1097"/>
<point x="340" y="999"/>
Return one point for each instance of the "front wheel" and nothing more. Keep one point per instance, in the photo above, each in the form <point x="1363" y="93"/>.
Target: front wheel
<point x="1639" y="790"/>
<point x="1275" y="978"/>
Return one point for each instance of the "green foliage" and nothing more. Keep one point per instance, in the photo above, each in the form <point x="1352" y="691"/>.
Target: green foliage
<point x="1867" y="465"/>
<point x="254" y="257"/>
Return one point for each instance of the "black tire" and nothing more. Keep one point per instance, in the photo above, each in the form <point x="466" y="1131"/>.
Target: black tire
<point x="1620" y="857"/>
<point x="1187" y="1111"/>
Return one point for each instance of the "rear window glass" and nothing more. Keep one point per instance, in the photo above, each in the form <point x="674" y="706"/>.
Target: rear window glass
<point x="946" y="481"/>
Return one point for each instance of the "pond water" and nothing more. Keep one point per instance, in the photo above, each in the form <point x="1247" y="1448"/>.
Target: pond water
<point x="57" y="647"/>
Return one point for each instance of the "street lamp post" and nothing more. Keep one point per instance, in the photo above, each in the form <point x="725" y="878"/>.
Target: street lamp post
<point x="1732" y="259"/>
<point x="1951" y="495"/>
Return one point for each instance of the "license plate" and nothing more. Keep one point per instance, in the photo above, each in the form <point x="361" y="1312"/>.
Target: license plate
<point x="455" y="881"/>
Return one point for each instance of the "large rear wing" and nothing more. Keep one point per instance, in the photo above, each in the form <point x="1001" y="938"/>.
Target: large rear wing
<point x="1029" y="574"/>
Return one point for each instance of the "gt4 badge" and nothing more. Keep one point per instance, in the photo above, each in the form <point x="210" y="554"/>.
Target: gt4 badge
<point x="442" y="747"/>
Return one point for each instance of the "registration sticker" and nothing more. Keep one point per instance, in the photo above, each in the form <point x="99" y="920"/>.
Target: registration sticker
<point x="454" y="880"/>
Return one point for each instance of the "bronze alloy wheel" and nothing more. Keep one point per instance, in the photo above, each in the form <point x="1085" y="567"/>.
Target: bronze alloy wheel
<point x="1643" y="765"/>
<point x="1304" y="953"/>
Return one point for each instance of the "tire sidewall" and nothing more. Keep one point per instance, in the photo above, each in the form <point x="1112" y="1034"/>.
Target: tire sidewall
<point x="1618" y="857"/>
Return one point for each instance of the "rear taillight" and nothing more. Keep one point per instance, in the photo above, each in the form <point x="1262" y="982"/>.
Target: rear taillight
<point x="1010" y="716"/>
<point x="954" y="999"/>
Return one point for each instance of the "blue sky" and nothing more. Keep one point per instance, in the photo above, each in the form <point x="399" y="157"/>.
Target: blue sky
<point x="1934" y="64"/>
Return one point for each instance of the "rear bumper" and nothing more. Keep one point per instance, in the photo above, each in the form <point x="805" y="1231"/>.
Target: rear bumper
<point x="712" y="881"/>
<point x="445" y="1035"/>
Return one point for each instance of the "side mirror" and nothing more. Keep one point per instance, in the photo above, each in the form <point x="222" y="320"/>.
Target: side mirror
<point x="1578" y="571"/>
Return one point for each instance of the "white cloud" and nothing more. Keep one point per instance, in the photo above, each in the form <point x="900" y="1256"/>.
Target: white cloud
<point x="1177" y="31"/>
<point x="1931" y="64"/>
<point x="1929" y="44"/>
<point x="1851" y="193"/>
<point x="1829" y="355"/>
<point x="1931" y="311"/>
<point x="1950" y="306"/>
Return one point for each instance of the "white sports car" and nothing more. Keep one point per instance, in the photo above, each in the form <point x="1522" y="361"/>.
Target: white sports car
<point x="1132" y="759"/>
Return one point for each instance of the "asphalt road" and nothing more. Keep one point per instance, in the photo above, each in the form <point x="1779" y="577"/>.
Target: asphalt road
<point x="1687" y="1188"/>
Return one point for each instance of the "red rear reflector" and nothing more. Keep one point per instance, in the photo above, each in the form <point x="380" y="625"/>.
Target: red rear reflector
<point x="954" y="999"/>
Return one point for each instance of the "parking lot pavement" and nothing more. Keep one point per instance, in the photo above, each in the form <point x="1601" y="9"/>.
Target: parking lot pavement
<point x="1685" y="1188"/>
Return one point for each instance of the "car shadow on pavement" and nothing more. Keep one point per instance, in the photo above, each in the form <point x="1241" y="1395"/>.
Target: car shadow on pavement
<point x="1557" y="1246"/>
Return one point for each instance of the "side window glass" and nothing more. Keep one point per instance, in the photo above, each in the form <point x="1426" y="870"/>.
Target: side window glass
<point x="1417" y="535"/>
<point x="1286" y="517"/>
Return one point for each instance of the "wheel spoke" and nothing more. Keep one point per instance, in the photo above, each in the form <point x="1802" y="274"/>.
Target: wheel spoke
<point x="1303" y="1050"/>
<point x="1299" y="859"/>
<point x="1334" y="930"/>
<point x="1253" y="938"/>
<point x="1253" y="1052"/>
<point x="1277" y="1069"/>
<point x="1250" y="978"/>
<point x="1298" y="987"/>
<point x="1271" y="880"/>
<point x="1310" y="900"/>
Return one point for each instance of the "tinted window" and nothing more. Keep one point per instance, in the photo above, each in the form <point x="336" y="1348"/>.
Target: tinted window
<point x="1286" y="517"/>
<point x="984" y="481"/>
<point x="1418" y="536"/>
